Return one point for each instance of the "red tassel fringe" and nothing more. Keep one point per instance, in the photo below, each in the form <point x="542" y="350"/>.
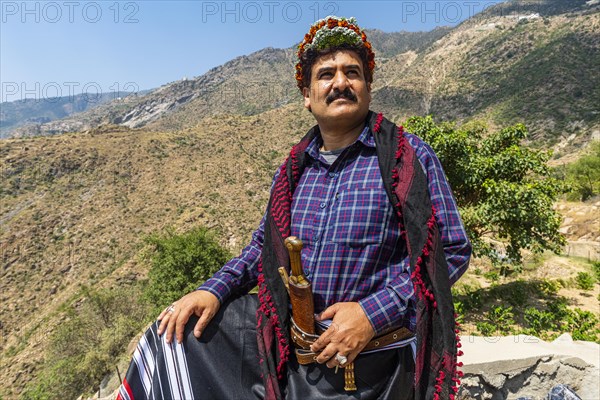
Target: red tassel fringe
<point x="267" y="309"/>
<point x="377" y="126"/>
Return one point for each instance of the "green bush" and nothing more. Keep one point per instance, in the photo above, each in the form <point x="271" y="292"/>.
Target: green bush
<point x="486" y="328"/>
<point x="596" y="268"/>
<point x="181" y="263"/>
<point x="558" y="318"/>
<point x="459" y="309"/>
<point x="468" y="298"/>
<point x="583" y="175"/>
<point x="583" y="325"/>
<point x="584" y="281"/>
<point x="499" y="321"/>
<point x="546" y="288"/>
<point x="539" y="321"/>
<point x="492" y="276"/>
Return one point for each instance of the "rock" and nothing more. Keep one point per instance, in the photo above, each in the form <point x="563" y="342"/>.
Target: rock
<point x="523" y="366"/>
<point x="567" y="221"/>
<point x="564" y="229"/>
<point x="530" y="378"/>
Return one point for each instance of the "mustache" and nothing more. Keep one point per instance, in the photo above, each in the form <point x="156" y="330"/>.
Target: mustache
<point x="337" y="94"/>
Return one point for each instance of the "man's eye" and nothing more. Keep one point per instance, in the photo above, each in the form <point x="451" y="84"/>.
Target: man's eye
<point x="325" y="75"/>
<point x="353" y="73"/>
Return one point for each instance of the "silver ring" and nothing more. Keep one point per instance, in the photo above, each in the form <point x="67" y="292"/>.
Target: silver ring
<point x="342" y="360"/>
<point x="171" y="308"/>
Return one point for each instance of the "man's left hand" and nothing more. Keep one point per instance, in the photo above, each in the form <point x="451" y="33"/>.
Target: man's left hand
<point x="348" y="334"/>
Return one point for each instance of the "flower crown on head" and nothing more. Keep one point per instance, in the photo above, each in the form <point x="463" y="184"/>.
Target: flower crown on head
<point x="329" y="32"/>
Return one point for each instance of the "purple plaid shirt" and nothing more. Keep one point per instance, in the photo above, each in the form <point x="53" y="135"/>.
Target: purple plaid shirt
<point x="352" y="247"/>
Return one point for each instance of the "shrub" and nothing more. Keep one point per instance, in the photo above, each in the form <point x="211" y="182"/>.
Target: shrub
<point x="469" y="298"/>
<point x="583" y="325"/>
<point x="596" y="268"/>
<point x="546" y="288"/>
<point x="499" y="320"/>
<point x="558" y="318"/>
<point x="539" y="321"/>
<point x="584" y="174"/>
<point x="584" y="281"/>
<point x="486" y="328"/>
<point x="181" y="263"/>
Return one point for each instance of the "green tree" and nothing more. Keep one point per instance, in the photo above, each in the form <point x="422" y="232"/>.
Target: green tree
<point x="504" y="190"/>
<point x="180" y="263"/>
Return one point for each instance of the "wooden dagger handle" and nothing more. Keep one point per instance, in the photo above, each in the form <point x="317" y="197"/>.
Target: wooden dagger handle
<point x="294" y="246"/>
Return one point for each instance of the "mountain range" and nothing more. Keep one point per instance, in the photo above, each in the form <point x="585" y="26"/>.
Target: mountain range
<point x="530" y="62"/>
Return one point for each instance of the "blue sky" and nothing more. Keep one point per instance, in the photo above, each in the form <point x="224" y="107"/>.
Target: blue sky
<point x="64" y="47"/>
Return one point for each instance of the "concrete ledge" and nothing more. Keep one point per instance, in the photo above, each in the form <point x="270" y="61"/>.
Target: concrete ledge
<point x="507" y="368"/>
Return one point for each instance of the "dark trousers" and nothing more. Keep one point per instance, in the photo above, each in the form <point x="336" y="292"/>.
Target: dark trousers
<point x="223" y="365"/>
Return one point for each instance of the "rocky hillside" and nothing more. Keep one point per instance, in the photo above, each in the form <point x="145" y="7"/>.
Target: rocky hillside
<point x="33" y="113"/>
<point x="247" y="85"/>
<point x="518" y="61"/>
<point x="504" y="68"/>
<point x="75" y="208"/>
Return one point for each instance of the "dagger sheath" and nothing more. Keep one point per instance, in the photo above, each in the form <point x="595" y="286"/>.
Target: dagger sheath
<point x="300" y="289"/>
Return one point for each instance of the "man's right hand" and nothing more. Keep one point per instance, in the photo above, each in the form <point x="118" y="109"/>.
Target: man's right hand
<point x="201" y="303"/>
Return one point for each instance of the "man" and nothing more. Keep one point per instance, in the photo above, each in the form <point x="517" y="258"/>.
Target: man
<point x="383" y="242"/>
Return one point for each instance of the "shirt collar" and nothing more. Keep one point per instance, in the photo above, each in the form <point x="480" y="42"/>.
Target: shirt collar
<point x="365" y="137"/>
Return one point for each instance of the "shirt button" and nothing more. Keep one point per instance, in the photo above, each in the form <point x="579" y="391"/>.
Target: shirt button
<point x="323" y="205"/>
<point x="332" y="174"/>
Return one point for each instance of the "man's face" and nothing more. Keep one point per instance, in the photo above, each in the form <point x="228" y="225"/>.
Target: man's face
<point x="338" y="90"/>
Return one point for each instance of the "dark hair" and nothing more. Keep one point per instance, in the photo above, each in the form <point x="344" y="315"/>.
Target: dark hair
<point x="310" y="56"/>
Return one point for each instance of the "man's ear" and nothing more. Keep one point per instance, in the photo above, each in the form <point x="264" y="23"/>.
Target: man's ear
<point x="306" y="94"/>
